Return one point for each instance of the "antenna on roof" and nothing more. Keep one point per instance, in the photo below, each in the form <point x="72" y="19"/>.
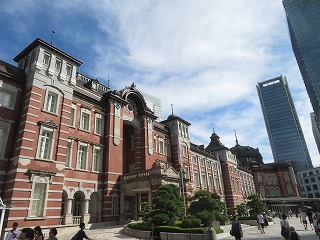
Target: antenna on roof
<point x="235" y="134"/>
<point x="52" y="36"/>
<point x="171" y="108"/>
<point x="108" y="80"/>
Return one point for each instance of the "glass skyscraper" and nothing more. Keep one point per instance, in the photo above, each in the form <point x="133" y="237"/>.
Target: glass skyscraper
<point x="304" y="27"/>
<point x="282" y="123"/>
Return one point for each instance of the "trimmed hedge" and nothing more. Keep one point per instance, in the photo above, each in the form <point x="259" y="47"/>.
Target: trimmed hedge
<point x="173" y="229"/>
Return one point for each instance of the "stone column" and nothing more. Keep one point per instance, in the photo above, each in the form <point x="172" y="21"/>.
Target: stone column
<point x="121" y="217"/>
<point x="67" y="218"/>
<point x="86" y="215"/>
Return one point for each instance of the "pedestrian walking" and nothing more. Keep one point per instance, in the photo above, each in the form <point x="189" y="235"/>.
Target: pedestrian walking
<point x="303" y="215"/>
<point x="236" y="229"/>
<point x="293" y="234"/>
<point x="261" y="223"/>
<point x="13" y="234"/>
<point x="317" y="224"/>
<point x="310" y="217"/>
<point x="38" y="235"/>
<point x="285" y="231"/>
<point x="265" y="219"/>
<point x="80" y="235"/>
<point x="26" y="234"/>
<point x="52" y="234"/>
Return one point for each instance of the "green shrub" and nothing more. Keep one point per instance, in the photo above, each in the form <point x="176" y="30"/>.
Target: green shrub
<point x="205" y="217"/>
<point x="191" y="222"/>
<point x="161" y="219"/>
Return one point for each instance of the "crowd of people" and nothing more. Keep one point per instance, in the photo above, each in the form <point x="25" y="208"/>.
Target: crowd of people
<point x="307" y="217"/>
<point x="37" y="234"/>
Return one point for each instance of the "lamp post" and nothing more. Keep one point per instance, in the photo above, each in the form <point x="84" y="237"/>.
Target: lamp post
<point x="3" y="208"/>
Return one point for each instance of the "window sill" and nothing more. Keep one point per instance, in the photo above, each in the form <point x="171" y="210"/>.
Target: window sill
<point x="35" y="218"/>
<point x="95" y="171"/>
<point x="10" y="108"/>
<point x="72" y="126"/>
<point x="81" y="170"/>
<point x="84" y="130"/>
<point x="43" y="159"/>
<point x="51" y="113"/>
<point x="98" y="134"/>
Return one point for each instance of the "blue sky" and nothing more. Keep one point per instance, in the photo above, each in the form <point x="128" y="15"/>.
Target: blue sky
<point x="205" y="57"/>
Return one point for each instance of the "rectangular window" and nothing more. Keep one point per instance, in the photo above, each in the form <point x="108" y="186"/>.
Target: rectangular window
<point x="194" y="160"/>
<point x="72" y="116"/>
<point x="155" y="144"/>
<point x="1" y="139"/>
<point x="45" y="144"/>
<point x="82" y="157"/>
<point x="209" y="164"/>
<point x="85" y="121"/>
<point x="216" y="183"/>
<point x="161" y="146"/>
<point x="168" y="149"/>
<point x="38" y="200"/>
<point x="58" y="64"/>
<point x="196" y="178"/>
<point x="115" y="205"/>
<point x="184" y="150"/>
<point x="204" y="181"/>
<point x="51" y="103"/>
<point x="98" y="125"/>
<point x="69" y="70"/>
<point x="96" y="159"/>
<point x="46" y="58"/>
<point x="202" y="162"/>
<point x="5" y="99"/>
<point x="210" y="181"/>
<point x="69" y="154"/>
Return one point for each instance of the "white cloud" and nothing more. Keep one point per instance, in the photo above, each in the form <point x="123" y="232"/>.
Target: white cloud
<point x="205" y="57"/>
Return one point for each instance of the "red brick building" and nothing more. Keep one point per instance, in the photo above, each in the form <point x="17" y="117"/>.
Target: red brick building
<point x="72" y="150"/>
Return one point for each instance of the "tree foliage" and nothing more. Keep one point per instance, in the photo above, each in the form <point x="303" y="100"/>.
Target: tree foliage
<point x="207" y="207"/>
<point x="168" y="205"/>
<point x="242" y="209"/>
<point x="255" y="205"/>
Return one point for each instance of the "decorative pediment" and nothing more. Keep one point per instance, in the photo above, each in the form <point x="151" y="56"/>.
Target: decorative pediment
<point x="41" y="175"/>
<point x="48" y="123"/>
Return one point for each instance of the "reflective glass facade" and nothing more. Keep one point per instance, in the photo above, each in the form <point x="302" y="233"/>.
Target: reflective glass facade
<point x="304" y="26"/>
<point x="282" y="123"/>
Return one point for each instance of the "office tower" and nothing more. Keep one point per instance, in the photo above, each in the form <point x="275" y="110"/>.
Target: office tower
<point x="282" y="123"/>
<point x="154" y="104"/>
<point x="304" y="27"/>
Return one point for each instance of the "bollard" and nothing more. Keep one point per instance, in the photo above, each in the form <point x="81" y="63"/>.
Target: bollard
<point x="212" y="234"/>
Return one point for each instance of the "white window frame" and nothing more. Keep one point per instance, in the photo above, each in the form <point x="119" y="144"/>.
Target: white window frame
<point x="115" y="204"/>
<point x="69" y="153"/>
<point x="79" y="165"/>
<point x="69" y="69"/>
<point x="168" y="148"/>
<point x="37" y="180"/>
<point x="49" y="105"/>
<point x="85" y="112"/>
<point x="46" y="58"/>
<point x="161" y="145"/>
<point x="73" y="113"/>
<point x="98" y="118"/>
<point x="50" y="144"/>
<point x="6" y="88"/>
<point x="5" y="126"/>
<point x="202" y="161"/>
<point x="210" y="180"/>
<point x="58" y="64"/>
<point x="184" y="150"/>
<point x="204" y="180"/>
<point x="155" y="143"/>
<point x="196" y="178"/>
<point x="96" y="162"/>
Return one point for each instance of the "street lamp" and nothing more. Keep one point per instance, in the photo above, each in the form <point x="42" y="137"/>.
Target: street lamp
<point x="3" y="208"/>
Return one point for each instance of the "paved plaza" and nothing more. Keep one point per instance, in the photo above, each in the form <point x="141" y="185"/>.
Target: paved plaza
<point x="250" y="232"/>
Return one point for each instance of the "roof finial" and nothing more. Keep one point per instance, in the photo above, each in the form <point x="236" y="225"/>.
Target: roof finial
<point x="235" y="134"/>
<point x="212" y="128"/>
<point x="171" y="108"/>
<point x="52" y="36"/>
<point x="108" y="81"/>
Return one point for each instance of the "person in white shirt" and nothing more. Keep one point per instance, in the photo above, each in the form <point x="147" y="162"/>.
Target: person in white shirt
<point x="303" y="215"/>
<point x="13" y="234"/>
<point x="261" y="222"/>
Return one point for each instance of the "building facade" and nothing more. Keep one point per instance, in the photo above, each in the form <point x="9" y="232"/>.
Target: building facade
<point x="304" y="26"/>
<point x="284" y="130"/>
<point x="309" y="182"/>
<point x="72" y="150"/>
